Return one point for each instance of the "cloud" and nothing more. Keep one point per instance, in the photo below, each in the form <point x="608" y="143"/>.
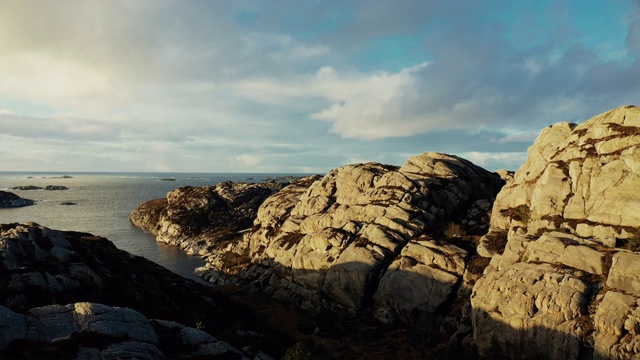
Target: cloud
<point x="271" y="86"/>
<point x="58" y="127"/>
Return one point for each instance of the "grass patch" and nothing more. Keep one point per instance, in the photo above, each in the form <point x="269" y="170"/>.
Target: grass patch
<point x="454" y="230"/>
<point x="520" y="213"/>
<point x="496" y="241"/>
<point x="631" y="244"/>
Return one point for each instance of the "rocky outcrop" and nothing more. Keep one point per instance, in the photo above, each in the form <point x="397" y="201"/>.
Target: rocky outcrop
<point x="96" y="331"/>
<point x="580" y="178"/>
<point x="198" y="219"/>
<point x="40" y="267"/>
<point x="8" y="199"/>
<point x="563" y="279"/>
<point x="365" y="234"/>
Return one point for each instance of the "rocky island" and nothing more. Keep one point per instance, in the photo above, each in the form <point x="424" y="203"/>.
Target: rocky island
<point x="8" y="199"/>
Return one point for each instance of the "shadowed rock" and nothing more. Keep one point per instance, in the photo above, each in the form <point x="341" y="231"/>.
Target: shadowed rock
<point x="40" y="267"/>
<point x="8" y="199"/>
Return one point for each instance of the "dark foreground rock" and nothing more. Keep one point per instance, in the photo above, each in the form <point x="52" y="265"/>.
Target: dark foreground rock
<point x="96" y="331"/>
<point x="8" y="199"/>
<point x="41" y="267"/>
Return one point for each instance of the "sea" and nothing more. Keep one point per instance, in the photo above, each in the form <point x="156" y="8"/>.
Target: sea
<point x="103" y="203"/>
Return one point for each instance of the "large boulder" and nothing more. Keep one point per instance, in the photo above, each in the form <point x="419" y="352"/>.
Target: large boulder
<point x="563" y="278"/>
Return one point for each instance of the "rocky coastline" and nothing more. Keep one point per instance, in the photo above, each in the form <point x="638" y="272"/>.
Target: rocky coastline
<point x="542" y="267"/>
<point x="437" y="258"/>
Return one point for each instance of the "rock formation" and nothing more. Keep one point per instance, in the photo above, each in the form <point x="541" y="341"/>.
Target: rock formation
<point x="364" y="234"/>
<point x="96" y="331"/>
<point x="565" y="284"/>
<point x="8" y="199"/>
<point x="40" y="268"/>
<point x="197" y="218"/>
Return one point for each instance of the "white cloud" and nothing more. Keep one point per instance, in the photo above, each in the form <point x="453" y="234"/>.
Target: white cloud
<point x="495" y="161"/>
<point x="528" y="137"/>
<point x="249" y="160"/>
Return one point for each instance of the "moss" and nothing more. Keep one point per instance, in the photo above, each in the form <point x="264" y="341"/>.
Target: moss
<point x="291" y="239"/>
<point x="454" y="230"/>
<point x="478" y="264"/>
<point x="496" y="242"/>
<point x="360" y="242"/>
<point x="520" y="213"/>
<point x="232" y="262"/>
<point x="298" y="351"/>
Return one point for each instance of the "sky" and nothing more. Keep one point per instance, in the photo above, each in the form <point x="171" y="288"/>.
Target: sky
<point x="302" y="86"/>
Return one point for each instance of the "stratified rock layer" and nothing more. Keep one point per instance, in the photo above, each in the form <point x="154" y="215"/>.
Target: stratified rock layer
<point x="565" y="285"/>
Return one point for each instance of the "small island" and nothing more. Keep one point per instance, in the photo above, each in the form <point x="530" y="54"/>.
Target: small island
<point x="8" y="200"/>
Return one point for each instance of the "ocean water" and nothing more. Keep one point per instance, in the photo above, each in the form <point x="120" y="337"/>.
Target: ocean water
<point x="104" y="203"/>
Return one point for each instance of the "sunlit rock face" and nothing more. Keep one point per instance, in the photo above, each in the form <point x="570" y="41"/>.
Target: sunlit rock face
<point x="563" y="282"/>
<point x="580" y="178"/>
<point x="361" y="234"/>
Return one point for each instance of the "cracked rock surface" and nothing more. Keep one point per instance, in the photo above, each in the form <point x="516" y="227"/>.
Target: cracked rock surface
<point x="564" y="283"/>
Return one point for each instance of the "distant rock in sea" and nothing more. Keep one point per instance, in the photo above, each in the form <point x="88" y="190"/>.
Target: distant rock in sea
<point x="8" y="199"/>
<point x="26" y="187"/>
<point x="168" y="179"/>
<point x="209" y="213"/>
<point x="33" y="187"/>
<point x="56" y="187"/>
<point x="68" y="203"/>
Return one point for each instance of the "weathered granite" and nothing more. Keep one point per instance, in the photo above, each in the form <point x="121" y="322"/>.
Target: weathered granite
<point x="355" y="235"/>
<point x="565" y="285"/>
